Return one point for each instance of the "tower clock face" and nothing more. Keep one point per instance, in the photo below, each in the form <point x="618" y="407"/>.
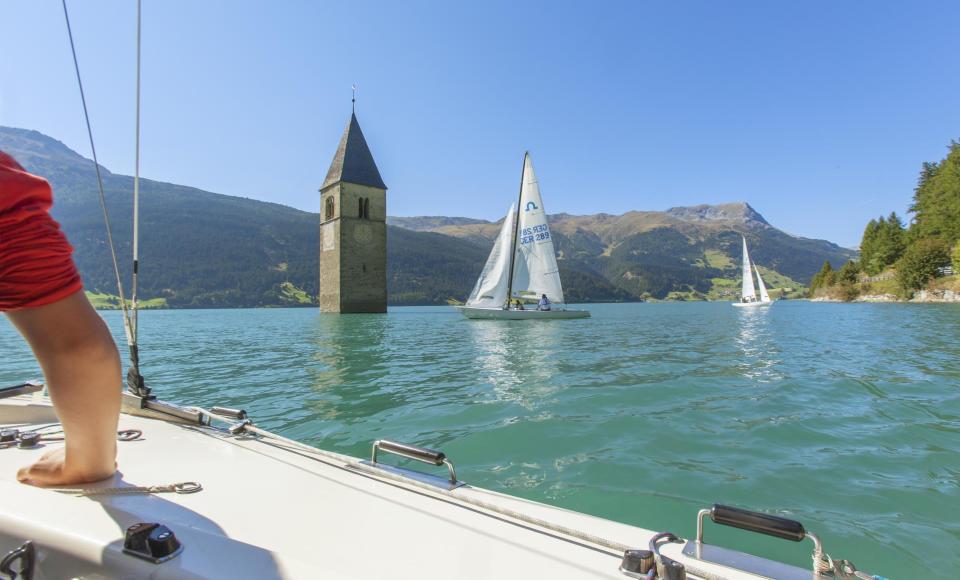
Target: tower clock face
<point x="363" y="234"/>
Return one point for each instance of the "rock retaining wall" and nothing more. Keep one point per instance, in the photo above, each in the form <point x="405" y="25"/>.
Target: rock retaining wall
<point x="936" y="296"/>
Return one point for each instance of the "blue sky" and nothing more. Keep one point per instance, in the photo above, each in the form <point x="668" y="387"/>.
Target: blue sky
<point x="818" y="114"/>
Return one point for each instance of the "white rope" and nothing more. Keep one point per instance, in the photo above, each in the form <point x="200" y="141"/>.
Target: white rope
<point x="345" y="463"/>
<point x="183" y="487"/>
<point x="822" y="563"/>
<point x="491" y="507"/>
<point x="349" y="464"/>
<point x="568" y="531"/>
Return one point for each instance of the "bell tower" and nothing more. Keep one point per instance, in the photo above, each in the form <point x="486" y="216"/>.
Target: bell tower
<point x="353" y="229"/>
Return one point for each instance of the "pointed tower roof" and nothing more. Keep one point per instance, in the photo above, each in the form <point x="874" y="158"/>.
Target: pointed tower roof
<point x="353" y="161"/>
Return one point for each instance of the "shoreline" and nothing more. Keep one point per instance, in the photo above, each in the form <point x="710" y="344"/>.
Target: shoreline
<point x="867" y="299"/>
<point x="920" y="297"/>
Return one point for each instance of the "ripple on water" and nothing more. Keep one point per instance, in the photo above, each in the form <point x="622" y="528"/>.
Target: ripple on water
<point x="844" y="416"/>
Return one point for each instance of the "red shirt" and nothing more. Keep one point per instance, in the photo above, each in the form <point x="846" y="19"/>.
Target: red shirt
<point x="36" y="266"/>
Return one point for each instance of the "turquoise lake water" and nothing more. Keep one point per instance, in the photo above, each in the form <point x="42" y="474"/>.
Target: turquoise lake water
<point x="845" y="417"/>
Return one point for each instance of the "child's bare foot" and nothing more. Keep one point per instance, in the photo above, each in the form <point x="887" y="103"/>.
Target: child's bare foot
<point x="52" y="470"/>
<point x="81" y="367"/>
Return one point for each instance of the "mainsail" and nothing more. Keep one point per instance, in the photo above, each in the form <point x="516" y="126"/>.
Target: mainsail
<point x="490" y="290"/>
<point x="747" y="291"/>
<point x="535" y="267"/>
<point x="764" y="297"/>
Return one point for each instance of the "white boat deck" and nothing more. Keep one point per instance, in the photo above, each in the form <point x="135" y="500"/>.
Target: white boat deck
<point x="267" y="512"/>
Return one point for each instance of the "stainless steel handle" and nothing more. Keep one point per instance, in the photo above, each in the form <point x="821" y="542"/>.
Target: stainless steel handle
<point x="757" y="522"/>
<point x="415" y="452"/>
<point x="228" y="412"/>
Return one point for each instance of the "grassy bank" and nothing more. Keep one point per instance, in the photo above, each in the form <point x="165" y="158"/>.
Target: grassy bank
<point x="102" y="301"/>
<point x="887" y="289"/>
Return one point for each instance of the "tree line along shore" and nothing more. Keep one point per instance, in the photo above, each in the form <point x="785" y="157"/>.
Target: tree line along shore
<point x="915" y="262"/>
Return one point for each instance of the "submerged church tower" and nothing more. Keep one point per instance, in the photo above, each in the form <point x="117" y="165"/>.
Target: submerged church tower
<point x="353" y="229"/>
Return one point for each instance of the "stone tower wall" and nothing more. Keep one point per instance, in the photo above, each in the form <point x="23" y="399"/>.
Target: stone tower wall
<point x="353" y="250"/>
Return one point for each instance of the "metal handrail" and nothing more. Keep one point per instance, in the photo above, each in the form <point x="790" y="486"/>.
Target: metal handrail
<point x="415" y="452"/>
<point x="802" y="533"/>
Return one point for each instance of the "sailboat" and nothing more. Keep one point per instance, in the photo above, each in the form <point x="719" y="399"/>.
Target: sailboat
<point x="522" y="265"/>
<point x="206" y="493"/>
<point x="748" y="294"/>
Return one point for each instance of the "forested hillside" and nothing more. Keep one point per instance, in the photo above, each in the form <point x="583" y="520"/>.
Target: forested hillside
<point x="201" y="249"/>
<point x="907" y="257"/>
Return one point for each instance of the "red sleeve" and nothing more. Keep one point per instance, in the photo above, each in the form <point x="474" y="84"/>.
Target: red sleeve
<point x="21" y="194"/>
<point x="36" y="266"/>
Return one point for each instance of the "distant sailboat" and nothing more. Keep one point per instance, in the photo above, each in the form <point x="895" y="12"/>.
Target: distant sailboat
<point x="522" y="264"/>
<point x="748" y="294"/>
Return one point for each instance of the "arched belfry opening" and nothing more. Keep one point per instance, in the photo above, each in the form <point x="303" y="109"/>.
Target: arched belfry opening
<point x="328" y="209"/>
<point x="353" y="242"/>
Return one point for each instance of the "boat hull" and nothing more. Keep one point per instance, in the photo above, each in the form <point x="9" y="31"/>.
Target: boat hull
<point x="752" y="304"/>
<point x="266" y="508"/>
<point x="266" y="503"/>
<point x="501" y="314"/>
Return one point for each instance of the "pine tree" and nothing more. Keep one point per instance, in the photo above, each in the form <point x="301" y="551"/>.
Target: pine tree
<point x="890" y="242"/>
<point x="824" y="278"/>
<point x="848" y="273"/>
<point x="884" y="241"/>
<point x="868" y="245"/>
<point x="936" y="201"/>
<point x="920" y="263"/>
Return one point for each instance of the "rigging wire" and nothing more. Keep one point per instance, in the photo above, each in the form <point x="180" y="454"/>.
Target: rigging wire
<point x="134" y="379"/>
<point x="136" y="198"/>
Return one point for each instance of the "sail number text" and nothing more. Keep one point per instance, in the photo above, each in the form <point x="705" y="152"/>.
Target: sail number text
<point x="534" y="234"/>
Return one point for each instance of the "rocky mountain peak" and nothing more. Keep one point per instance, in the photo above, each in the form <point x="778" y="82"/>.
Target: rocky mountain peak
<point x="738" y="212"/>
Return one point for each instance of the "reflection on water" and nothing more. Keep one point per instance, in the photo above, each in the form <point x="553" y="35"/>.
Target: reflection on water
<point x="519" y="359"/>
<point x="643" y="413"/>
<point x="756" y="341"/>
<point x="349" y="349"/>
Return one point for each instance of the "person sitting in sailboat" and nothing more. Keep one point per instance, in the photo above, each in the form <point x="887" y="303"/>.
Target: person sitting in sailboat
<point x="544" y="303"/>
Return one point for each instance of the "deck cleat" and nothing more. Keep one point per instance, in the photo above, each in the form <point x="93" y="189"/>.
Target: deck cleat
<point x="637" y="563"/>
<point x="28" y="439"/>
<point x="152" y="542"/>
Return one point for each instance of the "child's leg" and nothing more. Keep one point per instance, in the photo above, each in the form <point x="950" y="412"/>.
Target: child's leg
<point x="82" y="370"/>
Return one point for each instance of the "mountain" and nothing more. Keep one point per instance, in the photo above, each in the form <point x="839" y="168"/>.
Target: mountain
<point x="202" y="249"/>
<point x="741" y="212"/>
<point x="684" y="252"/>
<point x="429" y="223"/>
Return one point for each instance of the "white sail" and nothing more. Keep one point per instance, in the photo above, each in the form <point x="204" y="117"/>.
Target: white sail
<point x="535" y="269"/>
<point x="764" y="297"/>
<point x="490" y="291"/>
<point x="747" y="291"/>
